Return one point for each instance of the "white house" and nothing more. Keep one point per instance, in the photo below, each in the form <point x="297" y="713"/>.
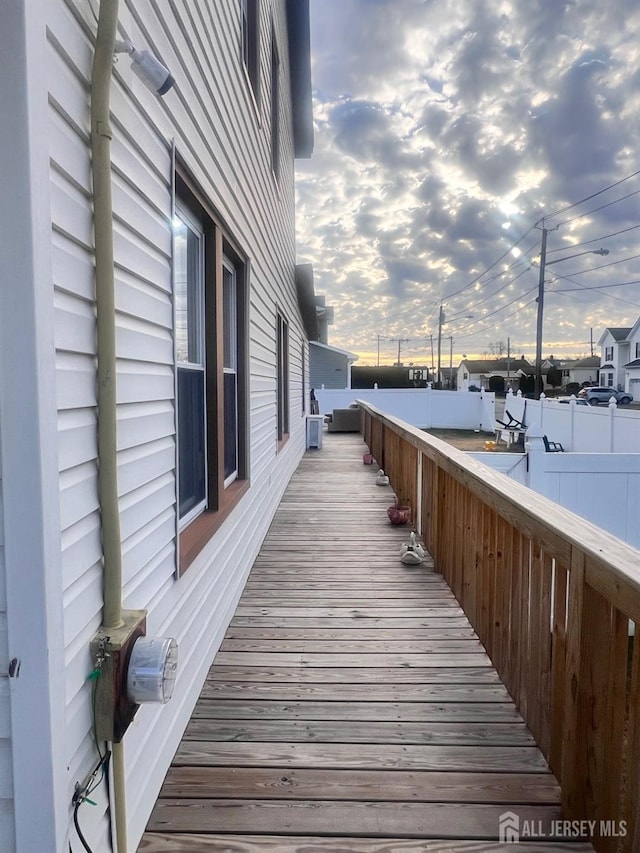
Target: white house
<point x="152" y="405"/>
<point x="632" y="367"/>
<point x="614" y="345"/>
<point x="582" y="370"/>
<point x="479" y="372"/>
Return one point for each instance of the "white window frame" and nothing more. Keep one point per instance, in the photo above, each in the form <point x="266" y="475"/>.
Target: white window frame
<point x="184" y="216"/>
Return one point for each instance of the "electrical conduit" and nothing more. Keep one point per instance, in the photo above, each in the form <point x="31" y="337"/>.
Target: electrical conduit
<point x="106" y="358"/>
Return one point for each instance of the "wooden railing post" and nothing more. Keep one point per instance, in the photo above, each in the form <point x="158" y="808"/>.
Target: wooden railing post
<point x="418" y="493"/>
<point x="573" y="768"/>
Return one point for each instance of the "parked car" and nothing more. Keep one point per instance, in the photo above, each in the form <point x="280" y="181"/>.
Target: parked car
<point x="580" y="401"/>
<point x="598" y="394"/>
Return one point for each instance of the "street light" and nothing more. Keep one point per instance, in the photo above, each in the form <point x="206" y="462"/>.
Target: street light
<point x="543" y="265"/>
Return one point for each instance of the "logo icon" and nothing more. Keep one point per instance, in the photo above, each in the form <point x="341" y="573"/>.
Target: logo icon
<point x="508" y="828"/>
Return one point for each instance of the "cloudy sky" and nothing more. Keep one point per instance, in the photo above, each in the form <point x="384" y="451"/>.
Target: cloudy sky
<point x="444" y="131"/>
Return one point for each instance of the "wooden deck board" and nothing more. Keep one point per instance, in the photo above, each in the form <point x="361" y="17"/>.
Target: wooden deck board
<point x="351" y="706"/>
<point x="159" y="842"/>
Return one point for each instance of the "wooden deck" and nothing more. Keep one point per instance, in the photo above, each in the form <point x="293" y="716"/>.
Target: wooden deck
<point x="351" y="706"/>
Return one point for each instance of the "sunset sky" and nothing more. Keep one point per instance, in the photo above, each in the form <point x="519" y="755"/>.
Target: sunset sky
<point x="444" y="131"/>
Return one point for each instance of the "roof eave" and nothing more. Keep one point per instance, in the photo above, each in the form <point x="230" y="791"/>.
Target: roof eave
<point x="300" y="73"/>
<point x="307" y="300"/>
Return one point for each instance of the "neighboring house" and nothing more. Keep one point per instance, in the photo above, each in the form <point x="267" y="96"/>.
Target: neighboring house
<point x="614" y="355"/>
<point x="325" y="318"/>
<point x="581" y="371"/>
<point x="632" y="368"/>
<point x="211" y="361"/>
<point x="478" y="372"/>
<point x="391" y="376"/>
<point x="329" y="366"/>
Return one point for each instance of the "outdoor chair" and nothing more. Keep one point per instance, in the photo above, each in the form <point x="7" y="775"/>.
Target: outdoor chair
<point x="552" y="446"/>
<point x="512" y="423"/>
<point x="509" y="431"/>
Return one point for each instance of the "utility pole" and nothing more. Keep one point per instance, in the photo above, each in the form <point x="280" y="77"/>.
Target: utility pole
<point x="543" y="264"/>
<point x="432" y="362"/>
<point x="509" y="362"/>
<point x="450" y="361"/>
<point x="591" y="340"/>
<point x="379" y="336"/>
<point x="399" y="341"/>
<point x="440" y="322"/>
<point x="540" y="300"/>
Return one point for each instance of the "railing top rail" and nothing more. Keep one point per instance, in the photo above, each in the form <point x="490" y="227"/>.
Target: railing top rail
<point x="612" y="566"/>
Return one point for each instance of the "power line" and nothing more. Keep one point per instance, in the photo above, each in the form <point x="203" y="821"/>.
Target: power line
<point x="502" y="308"/>
<point x="596" y="209"/>
<point x="595" y="240"/>
<point x="488" y="269"/>
<point x="598" y="286"/>
<point x="558" y="276"/>
<point x="589" y="197"/>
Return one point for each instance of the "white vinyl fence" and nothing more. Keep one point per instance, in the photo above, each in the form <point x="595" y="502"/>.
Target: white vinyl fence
<point x="421" y="407"/>
<point x="580" y="429"/>
<point x="604" y="488"/>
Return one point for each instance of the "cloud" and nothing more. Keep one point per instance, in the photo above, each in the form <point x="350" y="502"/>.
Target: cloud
<point x="444" y="131"/>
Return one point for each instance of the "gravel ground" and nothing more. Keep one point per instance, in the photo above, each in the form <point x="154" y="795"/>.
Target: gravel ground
<point x="467" y="439"/>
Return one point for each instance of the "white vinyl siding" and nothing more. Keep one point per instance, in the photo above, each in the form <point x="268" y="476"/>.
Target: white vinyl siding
<point x="328" y="368"/>
<point x="214" y="123"/>
<point x="6" y="788"/>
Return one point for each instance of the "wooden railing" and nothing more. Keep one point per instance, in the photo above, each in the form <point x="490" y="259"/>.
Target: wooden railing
<point x="554" y="600"/>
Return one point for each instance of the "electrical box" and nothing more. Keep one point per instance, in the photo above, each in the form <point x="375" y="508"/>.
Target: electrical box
<point x="110" y="651"/>
<point x="314" y="431"/>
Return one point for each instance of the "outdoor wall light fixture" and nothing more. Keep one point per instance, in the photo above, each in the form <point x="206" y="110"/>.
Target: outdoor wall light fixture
<point x="150" y="70"/>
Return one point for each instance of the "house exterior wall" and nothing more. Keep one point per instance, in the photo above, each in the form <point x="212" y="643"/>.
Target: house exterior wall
<point x="620" y="350"/>
<point x="328" y="368"/>
<point x="32" y="711"/>
<point x="7" y="831"/>
<point x="579" y="375"/>
<point x="632" y="374"/>
<point x="223" y="137"/>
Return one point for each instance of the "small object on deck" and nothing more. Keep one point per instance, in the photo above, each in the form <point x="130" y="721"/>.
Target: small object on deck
<point x="382" y="479"/>
<point x="412" y="553"/>
<point x="399" y="512"/>
<point x="367" y="459"/>
<point x="489" y="445"/>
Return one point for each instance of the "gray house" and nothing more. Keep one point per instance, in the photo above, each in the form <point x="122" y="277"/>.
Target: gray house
<point x="329" y="366"/>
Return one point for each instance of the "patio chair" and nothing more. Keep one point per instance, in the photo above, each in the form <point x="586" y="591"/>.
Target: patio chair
<point x="552" y="446"/>
<point x="512" y="423"/>
<point x="509" y="431"/>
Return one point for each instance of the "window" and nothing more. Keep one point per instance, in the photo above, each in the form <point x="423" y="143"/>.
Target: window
<point x="303" y="376"/>
<point x="250" y="15"/>
<point x="209" y="282"/>
<point x="637" y="355"/>
<point x="610" y="380"/>
<point x="282" y="375"/>
<point x="189" y="334"/>
<point x="275" y="106"/>
<point x="230" y="370"/>
<point x="608" y="353"/>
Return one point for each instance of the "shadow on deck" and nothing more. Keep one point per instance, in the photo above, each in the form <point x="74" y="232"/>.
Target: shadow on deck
<point x="351" y="706"/>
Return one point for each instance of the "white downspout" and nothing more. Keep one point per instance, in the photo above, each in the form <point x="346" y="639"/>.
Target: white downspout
<point x="106" y="357"/>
